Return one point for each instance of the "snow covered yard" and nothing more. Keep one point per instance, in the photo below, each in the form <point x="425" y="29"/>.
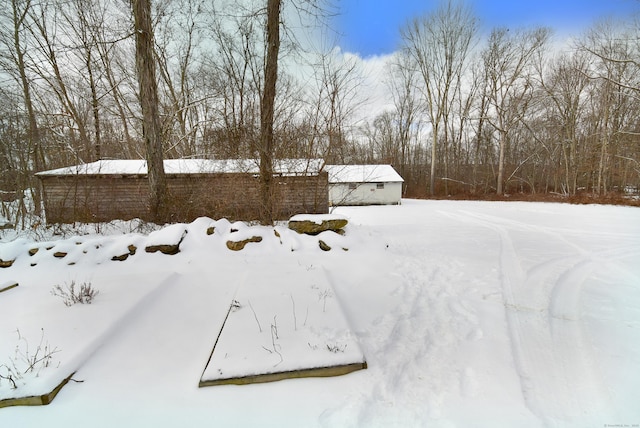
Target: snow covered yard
<point x="468" y="313"/>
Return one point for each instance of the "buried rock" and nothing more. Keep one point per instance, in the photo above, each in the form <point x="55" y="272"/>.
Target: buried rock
<point x="315" y="224"/>
<point x="132" y="251"/>
<point x="323" y="246"/>
<point x="6" y="263"/>
<point x="168" y="249"/>
<point x="239" y="245"/>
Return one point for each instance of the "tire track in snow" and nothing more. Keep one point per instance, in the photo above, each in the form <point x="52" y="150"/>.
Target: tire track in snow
<point x="532" y="356"/>
<point x="559" y="377"/>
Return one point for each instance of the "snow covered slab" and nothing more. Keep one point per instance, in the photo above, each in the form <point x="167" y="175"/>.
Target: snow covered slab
<point x="284" y="322"/>
<point x="44" y="342"/>
<point x="36" y="400"/>
<point x="7" y="285"/>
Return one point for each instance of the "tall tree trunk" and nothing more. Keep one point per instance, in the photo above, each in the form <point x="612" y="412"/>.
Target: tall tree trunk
<point x="95" y="108"/>
<point x="601" y="186"/>
<point x="151" y="128"/>
<point x="479" y="132"/>
<point x="34" y="133"/>
<point x="501" y="158"/>
<point x="267" y="110"/>
<point x="434" y="151"/>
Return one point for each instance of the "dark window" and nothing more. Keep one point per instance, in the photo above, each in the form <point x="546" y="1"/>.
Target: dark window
<point x="379" y="185"/>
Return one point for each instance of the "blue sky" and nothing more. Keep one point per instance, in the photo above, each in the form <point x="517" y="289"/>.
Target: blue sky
<point x="371" y="27"/>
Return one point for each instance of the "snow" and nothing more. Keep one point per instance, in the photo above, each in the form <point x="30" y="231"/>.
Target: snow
<point x="317" y="218"/>
<point x="362" y="174"/>
<point x="468" y="313"/>
<point x="188" y="166"/>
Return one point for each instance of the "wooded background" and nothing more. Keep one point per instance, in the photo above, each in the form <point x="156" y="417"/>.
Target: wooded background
<point x="470" y="111"/>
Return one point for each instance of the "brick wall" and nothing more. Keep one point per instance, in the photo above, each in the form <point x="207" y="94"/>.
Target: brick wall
<point x="234" y="196"/>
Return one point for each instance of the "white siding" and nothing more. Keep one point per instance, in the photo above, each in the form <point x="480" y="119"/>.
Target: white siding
<point x="364" y="185"/>
<point x="364" y="194"/>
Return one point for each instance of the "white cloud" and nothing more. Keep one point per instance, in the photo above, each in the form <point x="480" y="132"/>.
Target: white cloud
<point x="373" y="91"/>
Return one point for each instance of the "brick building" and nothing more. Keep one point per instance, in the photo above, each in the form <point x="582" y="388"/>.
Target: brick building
<point x="118" y="189"/>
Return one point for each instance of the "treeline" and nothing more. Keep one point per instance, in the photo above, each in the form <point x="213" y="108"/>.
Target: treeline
<point x="474" y="113"/>
<point x="513" y="112"/>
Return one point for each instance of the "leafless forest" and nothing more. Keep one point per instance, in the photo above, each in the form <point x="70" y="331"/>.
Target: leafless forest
<point x="472" y="111"/>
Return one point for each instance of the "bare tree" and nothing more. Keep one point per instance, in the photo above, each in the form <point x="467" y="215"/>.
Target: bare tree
<point x="152" y="130"/>
<point x="83" y="19"/>
<point x="267" y="108"/>
<point x="237" y="78"/>
<point x="565" y="83"/>
<point x="508" y="62"/>
<point x="15" y="62"/>
<point x="480" y="81"/>
<point x="403" y="86"/>
<point x="113" y="45"/>
<point x="615" y="50"/>
<point x="266" y="146"/>
<point x="47" y="29"/>
<point x="178" y="36"/>
<point x="439" y="44"/>
<point x="333" y="103"/>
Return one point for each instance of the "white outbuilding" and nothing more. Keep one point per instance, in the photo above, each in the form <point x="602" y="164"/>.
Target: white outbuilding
<point x="364" y="185"/>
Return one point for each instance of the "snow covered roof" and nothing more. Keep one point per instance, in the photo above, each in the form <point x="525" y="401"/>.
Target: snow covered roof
<point x="188" y="166"/>
<point x="362" y="174"/>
